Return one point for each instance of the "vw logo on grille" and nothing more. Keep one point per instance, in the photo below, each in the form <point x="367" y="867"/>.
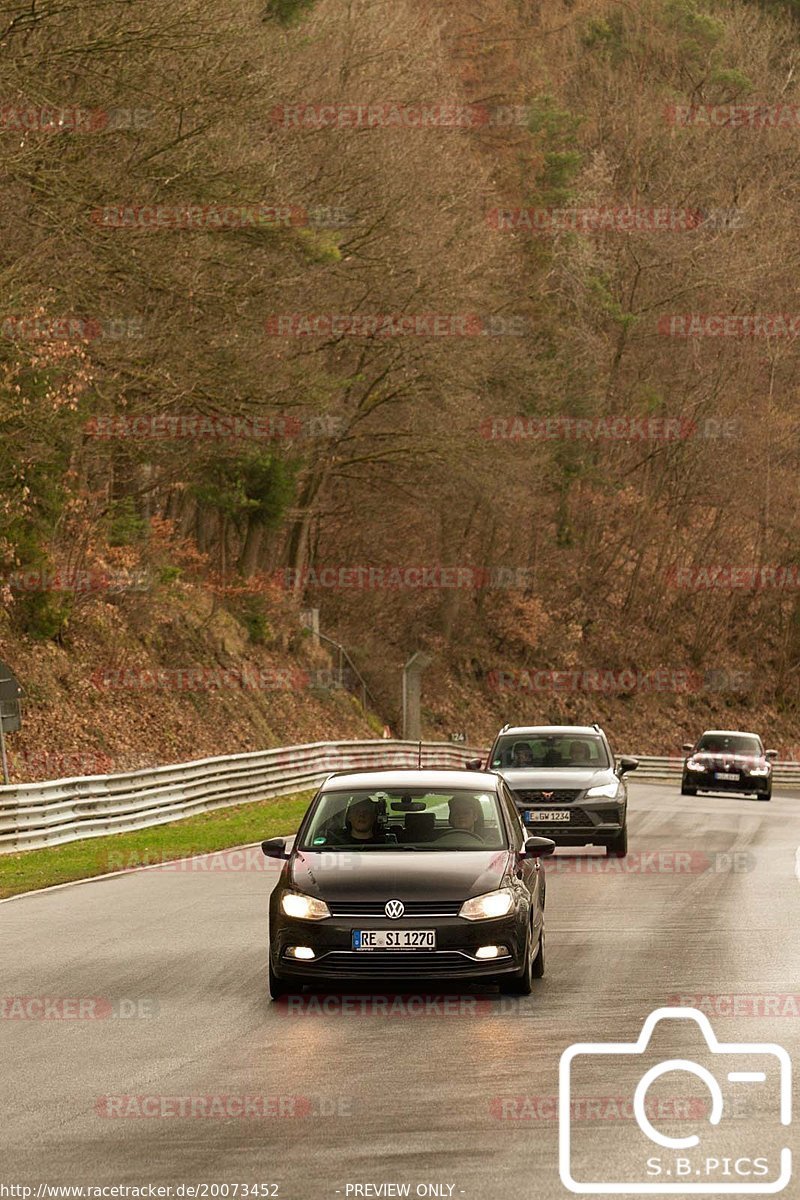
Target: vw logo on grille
<point x="394" y="909"/>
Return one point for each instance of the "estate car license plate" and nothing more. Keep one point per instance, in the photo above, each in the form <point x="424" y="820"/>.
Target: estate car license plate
<point x="725" y="775"/>
<point x="550" y="816"/>
<point x="394" y="939"/>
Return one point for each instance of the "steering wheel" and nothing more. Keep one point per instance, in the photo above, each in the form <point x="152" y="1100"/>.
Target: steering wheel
<point x="449" y="833"/>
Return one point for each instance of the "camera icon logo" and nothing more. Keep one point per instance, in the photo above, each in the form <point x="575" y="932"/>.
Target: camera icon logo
<point x="751" y="1159"/>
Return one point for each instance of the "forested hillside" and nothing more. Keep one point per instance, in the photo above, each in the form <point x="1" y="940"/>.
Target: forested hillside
<point x="498" y="299"/>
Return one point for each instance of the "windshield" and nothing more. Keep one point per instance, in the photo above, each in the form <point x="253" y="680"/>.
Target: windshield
<point x="736" y="743"/>
<point x="550" y="750"/>
<point x="411" y="819"/>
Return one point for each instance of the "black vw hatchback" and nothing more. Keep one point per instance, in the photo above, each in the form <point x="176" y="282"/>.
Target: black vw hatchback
<point x="409" y="874"/>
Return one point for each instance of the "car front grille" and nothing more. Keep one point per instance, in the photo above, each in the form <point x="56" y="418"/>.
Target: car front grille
<point x="393" y="963"/>
<point x="550" y="796"/>
<point x="375" y="909"/>
<point x="577" y="817"/>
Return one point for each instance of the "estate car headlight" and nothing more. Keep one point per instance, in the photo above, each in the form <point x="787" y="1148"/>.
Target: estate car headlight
<point x="490" y="904"/>
<point x="306" y="908"/>
<point x="605" y="789"/>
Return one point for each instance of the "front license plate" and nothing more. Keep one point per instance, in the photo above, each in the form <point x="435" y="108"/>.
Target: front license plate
<point x="550" y="816"/>
<point x="394" y="939"/>
<point x="725" y="775"/>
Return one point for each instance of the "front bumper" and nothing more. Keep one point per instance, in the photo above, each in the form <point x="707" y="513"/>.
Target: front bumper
<point x="706" y="781"/>
<point x="454" y="956"/>
<point x="590" y="823"/>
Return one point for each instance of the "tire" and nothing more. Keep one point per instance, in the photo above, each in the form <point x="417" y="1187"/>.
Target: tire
<point x="277" y="987"/>
<point x="520" y="985"/>
<point x="764" y="795"/>
<point x="539" y="962"/>
<point x="619" y="847"/>
<point x="686" y="790"/>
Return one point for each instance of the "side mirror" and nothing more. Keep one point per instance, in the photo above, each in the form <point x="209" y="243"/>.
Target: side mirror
<point x="626" y="764"/>
<point x="687" y="747"/>
<point x="771" y="754"/>
<point x="274" y="848"/>
<point x="538" y="847"/>
<point x="474" y="764"/>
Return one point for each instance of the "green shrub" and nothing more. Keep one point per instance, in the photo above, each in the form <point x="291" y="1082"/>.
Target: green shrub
<point x="288" y="12"/>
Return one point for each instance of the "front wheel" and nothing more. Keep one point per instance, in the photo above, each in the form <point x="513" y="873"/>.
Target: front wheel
<point x="688" y="791"/>
<point x="538" y="963"/>
<point x="521" y="985"/>
<point x="764" y="795"/>
<point x="619" y="847"/>
<point x="277" y="987"/>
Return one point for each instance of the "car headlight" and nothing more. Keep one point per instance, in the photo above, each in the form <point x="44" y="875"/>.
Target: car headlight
<point x="306" y="908"/>
<point x="490" y="904"/>
<point x="757" y="770"/>
<point x="694" y="766"/>
<point x="605" y="789"/>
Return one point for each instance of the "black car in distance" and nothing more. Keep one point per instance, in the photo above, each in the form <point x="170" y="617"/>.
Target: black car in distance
<point x="727" y="760"/>
<point x="420" y="874"/>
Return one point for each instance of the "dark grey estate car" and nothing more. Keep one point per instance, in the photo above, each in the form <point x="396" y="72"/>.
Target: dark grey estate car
<point x="565" y="783"/>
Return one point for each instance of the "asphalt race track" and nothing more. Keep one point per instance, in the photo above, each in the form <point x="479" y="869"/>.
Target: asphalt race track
<point x="327" y="1095"/>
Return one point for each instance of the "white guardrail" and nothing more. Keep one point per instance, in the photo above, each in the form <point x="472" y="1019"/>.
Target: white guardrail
<point x="33" y="815"/>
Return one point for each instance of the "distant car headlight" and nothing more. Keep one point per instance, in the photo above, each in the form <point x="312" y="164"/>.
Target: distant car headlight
<point x="491" y="904"/>
<point x="306" y="908"/>
<point x="758" y="770"/>
<point x="693" y="765"/>
<point x="605" y="789"/>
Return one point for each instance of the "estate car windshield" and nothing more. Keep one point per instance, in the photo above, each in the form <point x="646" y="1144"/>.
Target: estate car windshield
<point x="525" y="751"/>
<point x="406" y="819"/>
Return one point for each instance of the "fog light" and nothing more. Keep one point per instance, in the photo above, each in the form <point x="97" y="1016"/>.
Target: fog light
<point x="488" y="951"/>
<point x="300" y="952"/>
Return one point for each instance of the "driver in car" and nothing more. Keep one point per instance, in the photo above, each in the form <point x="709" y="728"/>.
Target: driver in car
<point x="521" y="755"/>
<point x="465" y="814"/>
<point x="361" y="823"/>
